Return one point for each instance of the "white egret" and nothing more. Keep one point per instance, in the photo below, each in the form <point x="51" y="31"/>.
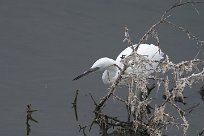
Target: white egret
<point x="112" y="67"/>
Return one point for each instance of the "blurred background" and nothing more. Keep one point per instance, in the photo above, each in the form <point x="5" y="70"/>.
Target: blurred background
<point x="44" y="44"/>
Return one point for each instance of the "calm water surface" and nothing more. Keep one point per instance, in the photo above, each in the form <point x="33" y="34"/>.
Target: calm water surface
<point x="45" y="43"/>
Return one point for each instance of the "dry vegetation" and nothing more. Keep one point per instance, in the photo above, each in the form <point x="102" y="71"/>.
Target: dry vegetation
<point x="169" y="78"/>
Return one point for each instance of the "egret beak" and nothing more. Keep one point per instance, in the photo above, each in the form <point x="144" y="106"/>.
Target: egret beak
<point x="86" y="73"/>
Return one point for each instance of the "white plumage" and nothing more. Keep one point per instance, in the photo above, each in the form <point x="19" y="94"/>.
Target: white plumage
<point x="112" y="67"/>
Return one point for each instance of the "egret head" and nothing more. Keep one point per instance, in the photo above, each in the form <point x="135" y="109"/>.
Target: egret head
<point x="101" y="65"/>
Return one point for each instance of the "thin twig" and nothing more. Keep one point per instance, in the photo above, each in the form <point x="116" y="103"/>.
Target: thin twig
<point x="179" y="5"/>
<point x="74" y="104"/>
<point x="111" y="90"/>
<point x="83" y="129"/>
<point x="93" y="99"/>
<point x="201" y="132"/>
<point x="120" y="99"/>
<point x="29" y="117"/>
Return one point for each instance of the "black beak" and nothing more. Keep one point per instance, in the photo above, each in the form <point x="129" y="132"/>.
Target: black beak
<point x="86" y="73"/>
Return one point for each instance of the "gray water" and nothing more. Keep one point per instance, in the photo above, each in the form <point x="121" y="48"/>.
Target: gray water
<point x="44" y="44"/>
